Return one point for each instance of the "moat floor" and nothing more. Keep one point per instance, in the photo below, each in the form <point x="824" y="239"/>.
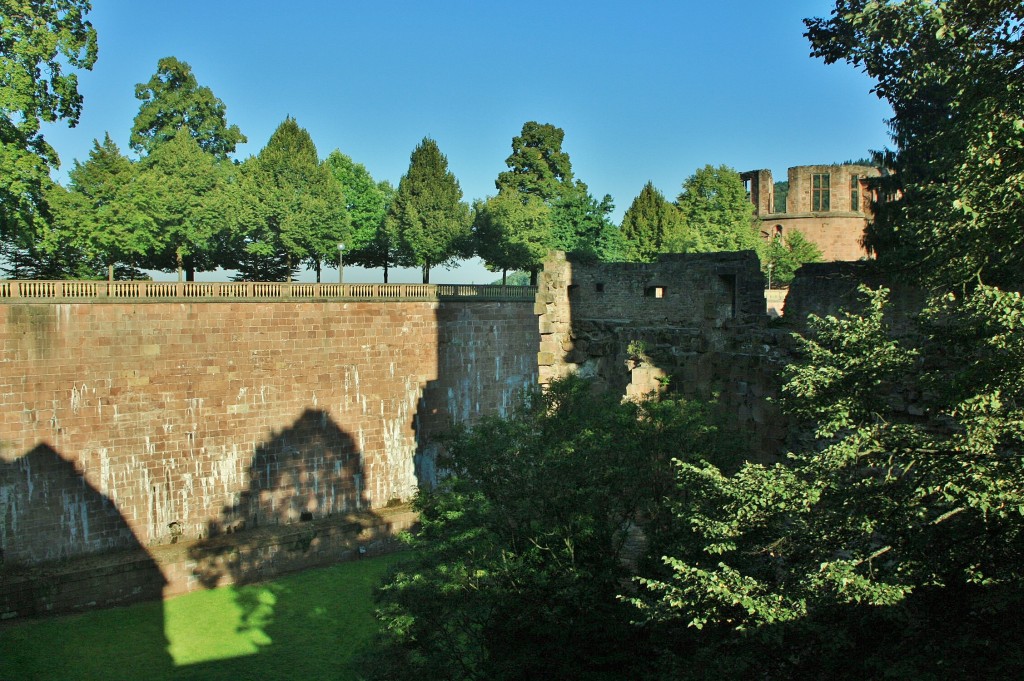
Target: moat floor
<point x="302" y="626"/>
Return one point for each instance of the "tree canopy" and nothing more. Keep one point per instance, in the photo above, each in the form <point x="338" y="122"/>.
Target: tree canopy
<point x="649" y="225"/>
<point x="292" y="208"/>
<point x="953" y="73"/>
<point x="428" y="218"/>
<point x="525" y="545"/>
<point x="540" y="174"/>
<point x="101" y="217"/>
<point x="38" y="40"/>
<point x="889" y="544"/>
<point x="784" y="255"/>
<point x="716" y="212"/>
<point x="180" y="188"/>
<point x="512" y="231"/>
<point x="172" y="100"/>
<point x="537" y="166"/>
<point x="367" y="203"/>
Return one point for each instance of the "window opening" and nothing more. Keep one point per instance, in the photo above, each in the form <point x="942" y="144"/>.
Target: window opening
<point x="820" y="186"/>
<point x="655" y="292"/>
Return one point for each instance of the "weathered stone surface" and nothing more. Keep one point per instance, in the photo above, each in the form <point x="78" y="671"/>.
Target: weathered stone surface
<point x="128" y="425"/>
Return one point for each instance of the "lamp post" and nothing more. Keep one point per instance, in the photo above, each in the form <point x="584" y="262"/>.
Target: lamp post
<point x="341" y="263"/>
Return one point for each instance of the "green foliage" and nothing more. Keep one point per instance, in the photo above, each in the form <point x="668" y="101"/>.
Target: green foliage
<point x="173" y="100"/>
<point x="180" y="190"/>
<point x="514" y="279"/>
<point x="648" y="224"/>
<point x="581" y="224"/>
<point x="537" y="166"/>
<point x="952" y="73"/>
<point x="784" y="255"/>
<point x="291" y="209"/>
<point x="525" y="545"/>
<point x="717" y="216"/>
<point x="427" y="218"/>
<point x="781" y="190"/>
<point x="367" y="202"/>
<point x="890" y="545"/>
<point x="100" y="220"/>
<point x="38" y="41"/>
<point x="512" y="231"/>
<point x="540" y="175"/>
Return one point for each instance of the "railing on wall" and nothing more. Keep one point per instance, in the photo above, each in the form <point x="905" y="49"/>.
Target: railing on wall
<point x="87" y="291"/>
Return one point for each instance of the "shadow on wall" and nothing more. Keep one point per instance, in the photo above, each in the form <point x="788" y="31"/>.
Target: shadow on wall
<point x="305" y="505"/>
<point x="50" y="512"/>
<point x="693" y="322"/>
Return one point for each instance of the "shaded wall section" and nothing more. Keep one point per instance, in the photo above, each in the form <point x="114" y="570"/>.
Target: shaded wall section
<point x="697" y="321"/>
<point x="192" y="417"/>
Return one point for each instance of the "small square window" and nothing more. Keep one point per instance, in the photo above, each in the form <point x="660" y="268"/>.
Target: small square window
<point x="599" y="287"/>
<point x="655" y="292"/>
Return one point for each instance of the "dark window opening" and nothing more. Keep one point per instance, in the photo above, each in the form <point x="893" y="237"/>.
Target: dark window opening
<point x="599" y="287"/>
<point x="574" y="290"/>
<point x="820" y="192"/>
<point x="655" y="292"/>
<point x="855" y="193"/>
<point x="729" y="283"/>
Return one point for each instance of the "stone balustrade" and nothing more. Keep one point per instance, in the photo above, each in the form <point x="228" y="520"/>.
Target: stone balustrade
<point x="13" y="291"/>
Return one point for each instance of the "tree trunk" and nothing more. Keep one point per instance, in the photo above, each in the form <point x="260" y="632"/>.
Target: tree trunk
<point x="533" y="276"/>
<point x="385" y="273"/>
<point x="110" y="272"/>
<point x="316" y="266"/>
<point x="504" y="277"/>
<point x="426" y="273"/>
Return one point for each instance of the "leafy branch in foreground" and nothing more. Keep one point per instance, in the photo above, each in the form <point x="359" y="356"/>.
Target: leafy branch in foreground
<point x="526" y="545"/>
<point x="891" y="545"/>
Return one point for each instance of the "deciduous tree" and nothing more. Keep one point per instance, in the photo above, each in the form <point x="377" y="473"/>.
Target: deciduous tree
<point x="716" y="213"/>
<point x="512" y="232"/>
<point x="101" y="216"/>
<point x="293" y="209"/>
<point x="428" y="217"/>
<point x="785" y="254"/>
<point x="524" y="547"/>
<point x="953" y="72"/>
<point x="181" y="189"/>
<point x="367" y="203"/>
<point x="173" y="100"/>
<point x="38" y="41"/>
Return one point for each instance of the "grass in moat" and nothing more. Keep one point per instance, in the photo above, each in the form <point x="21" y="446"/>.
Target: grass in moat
<point x="303" y="626"/>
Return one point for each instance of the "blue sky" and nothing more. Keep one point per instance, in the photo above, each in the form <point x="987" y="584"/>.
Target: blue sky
<point x="644" y="90"/>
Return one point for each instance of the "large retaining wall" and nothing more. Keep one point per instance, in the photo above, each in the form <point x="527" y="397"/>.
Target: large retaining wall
<point x="131" y="425"/>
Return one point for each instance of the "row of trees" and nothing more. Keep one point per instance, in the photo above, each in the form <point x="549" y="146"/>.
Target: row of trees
<point x="887" y="544"/>
<point x="184" y="205"/>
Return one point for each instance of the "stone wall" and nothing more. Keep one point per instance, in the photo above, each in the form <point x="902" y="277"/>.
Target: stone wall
<point x="695" y="320"/>
<point x="131" y="425"/>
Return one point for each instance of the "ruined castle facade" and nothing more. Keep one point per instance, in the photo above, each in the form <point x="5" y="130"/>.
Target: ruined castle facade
<point x="830" y="205"/>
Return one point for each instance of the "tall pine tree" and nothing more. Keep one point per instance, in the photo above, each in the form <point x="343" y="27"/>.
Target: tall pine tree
<point x="428" y="219"/>
<point x="649" y="225"/>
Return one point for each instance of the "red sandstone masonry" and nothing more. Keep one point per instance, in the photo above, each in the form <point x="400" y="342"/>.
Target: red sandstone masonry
<point x="170" y="420"/>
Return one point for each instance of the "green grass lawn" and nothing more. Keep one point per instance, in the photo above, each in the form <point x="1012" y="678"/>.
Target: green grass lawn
<point x="305" y="626"/>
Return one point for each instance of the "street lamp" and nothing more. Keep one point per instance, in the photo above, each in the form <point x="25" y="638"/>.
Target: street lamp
<point x="341" y="263"/>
